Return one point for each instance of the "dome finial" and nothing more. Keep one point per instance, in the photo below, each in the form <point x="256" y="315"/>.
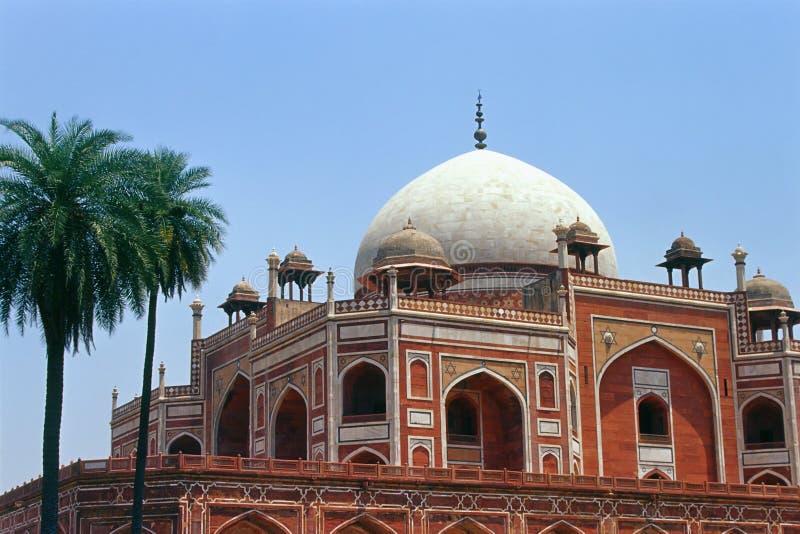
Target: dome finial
<point x="480" y="134"/>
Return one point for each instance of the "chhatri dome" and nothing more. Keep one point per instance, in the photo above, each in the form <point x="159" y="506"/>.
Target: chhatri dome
<point x="486" y="208"/>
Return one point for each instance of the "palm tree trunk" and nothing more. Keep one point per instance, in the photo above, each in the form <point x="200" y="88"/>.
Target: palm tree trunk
<point x="144" y="415"/>
<point x="51" y="435"/>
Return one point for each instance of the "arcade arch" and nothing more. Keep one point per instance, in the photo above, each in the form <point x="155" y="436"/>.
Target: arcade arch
<point x="290" y="426"/>
<point x="233" y="423"/>
<point x="485" y="424"/>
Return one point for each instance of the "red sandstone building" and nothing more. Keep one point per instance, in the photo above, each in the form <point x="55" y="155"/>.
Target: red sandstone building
<point x="492" y="371"/>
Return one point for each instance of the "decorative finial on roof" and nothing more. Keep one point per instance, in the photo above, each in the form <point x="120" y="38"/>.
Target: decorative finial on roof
<point x="409" y="225"/>
<point x="758" y="273"/>
<point x="480" y="134"/>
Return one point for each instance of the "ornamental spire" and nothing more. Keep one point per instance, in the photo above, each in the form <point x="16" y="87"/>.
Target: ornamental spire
<point x="480" y="134"/>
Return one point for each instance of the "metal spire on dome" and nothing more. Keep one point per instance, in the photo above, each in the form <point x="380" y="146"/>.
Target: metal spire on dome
<point x="480" y="134"/>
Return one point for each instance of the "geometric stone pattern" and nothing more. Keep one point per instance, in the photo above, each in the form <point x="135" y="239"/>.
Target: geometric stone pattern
<point x="303" y="504"/>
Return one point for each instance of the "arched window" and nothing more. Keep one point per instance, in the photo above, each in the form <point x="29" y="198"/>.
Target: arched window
<point x="547" y="390"/>
<point x="770" y="479"/>
<point x="653" y="419"/>
<point x="656" y="475"/>
<point x="418" y="371"/>
<point x="364" y="394"/>
<point x="462" y="421"/>
<point x="184" y="444"/>
<point x="366" y="457"/>
<point x="763" y="424"/>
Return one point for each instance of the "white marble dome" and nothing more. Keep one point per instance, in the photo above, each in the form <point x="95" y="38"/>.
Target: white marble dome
<point x="486" y="207"/>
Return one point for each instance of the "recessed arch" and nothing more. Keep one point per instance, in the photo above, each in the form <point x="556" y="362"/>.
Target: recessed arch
<point x="252" y="522"/>
<point x="562" y="527"/>
<point x="692" y="412"/>
<point x="363" y="391"/>
<point x="364" y="523"/>
<point x="499" y="446"/>
<point x="466" y="525"/>
<point x="770" y="478"/>
<point x="232" y="422"/>
<point x="670" y="348"/>
<point x="289" y="425"/>
<point x="762" y="417"/>
<point x="182" y="443"/>
<point x="363" y="452"/>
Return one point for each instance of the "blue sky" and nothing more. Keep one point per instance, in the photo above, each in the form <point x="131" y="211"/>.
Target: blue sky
<point x="664" y="116"/>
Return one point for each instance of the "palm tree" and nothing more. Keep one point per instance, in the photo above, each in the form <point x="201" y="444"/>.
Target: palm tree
<point x="71" y="246"/>
<point x="188" y="231"/>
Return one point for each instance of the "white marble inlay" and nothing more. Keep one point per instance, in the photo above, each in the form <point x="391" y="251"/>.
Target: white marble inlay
<point x="549" y="427"/>
<point x="318" y="425"/>
<point x="763" y="369"/>
<point x="420" y="418"/>
<point x="185" y="410"/>
<point x="362" y="331"/>
<point x="366" y="432"/>
<point x="655" y="454"/>
<point x="650" y="377"/>
<point x="779" y="457"/>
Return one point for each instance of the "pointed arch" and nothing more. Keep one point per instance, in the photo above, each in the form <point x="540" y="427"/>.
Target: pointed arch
<point x="365" y="450"/>
<point x="508" y="447"/>
<point x="126" y="528"/>
<point x="232" y="420"/>
<point x="650" y="528"/>
<point x="734" y="530"/>
<point x="669" y="347"/>
<point x="551" y="464"/>
<point x="466" y="525"/>
<point x="562" y="527"/>
<point x="762" y="417"/>
<point x="185" y="443"/>
<point x="657" y="474"/>
<point x="769" y="477"/>
<point x="289" y="424"/>
<point x="652" y="417"/>
<point x="421" y="456"/>
<point x="363" y="391"/>
<point x="254" y="522"/>
<point x="616" y="406"/>
<point x="364" y="523"/>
